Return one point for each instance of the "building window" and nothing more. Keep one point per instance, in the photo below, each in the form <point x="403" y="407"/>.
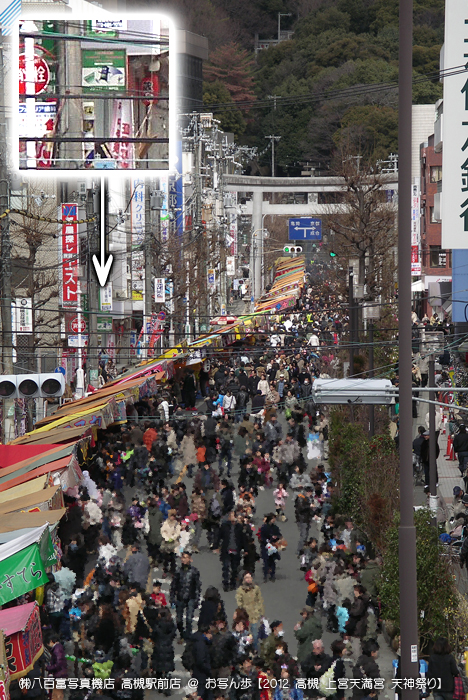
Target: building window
<point x="433" y="219"/>
<point x="438" y="257"/>
<point x="436" y="173"/>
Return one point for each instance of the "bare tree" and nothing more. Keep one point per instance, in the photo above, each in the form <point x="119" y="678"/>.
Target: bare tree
<point x="363" y="223"/>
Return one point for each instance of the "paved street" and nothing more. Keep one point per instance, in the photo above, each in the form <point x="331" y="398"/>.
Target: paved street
<point x="284" y="598"/>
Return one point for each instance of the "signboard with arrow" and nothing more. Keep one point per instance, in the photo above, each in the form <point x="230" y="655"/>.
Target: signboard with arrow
<point x="305" y="229"/>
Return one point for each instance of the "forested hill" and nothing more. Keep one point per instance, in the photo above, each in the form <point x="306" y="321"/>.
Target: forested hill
<point x="331" y="84"/>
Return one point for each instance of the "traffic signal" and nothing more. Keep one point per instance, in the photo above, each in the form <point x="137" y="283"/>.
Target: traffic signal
<point x="32" y="386"/>
<point x="332" y="254"/>
<point x="292" y="249"/>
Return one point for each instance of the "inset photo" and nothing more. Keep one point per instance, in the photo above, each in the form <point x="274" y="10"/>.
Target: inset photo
<point x="94" y="94"/>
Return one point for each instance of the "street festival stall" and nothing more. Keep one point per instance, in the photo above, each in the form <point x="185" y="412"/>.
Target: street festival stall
<point x="22" y="631"/>
<point x="23" y="563"/>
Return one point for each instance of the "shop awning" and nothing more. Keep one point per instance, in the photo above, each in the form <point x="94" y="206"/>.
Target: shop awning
<point x="17" y="521"/>
<point x="23" y="562"/>
<point x="41" y="500"/>
<point x="33" y="486"/>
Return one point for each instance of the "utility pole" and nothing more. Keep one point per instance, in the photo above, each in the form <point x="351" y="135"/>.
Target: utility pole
<point x="69" y="80"/>
<point x="351" y="321"/>
<point x="148" y="247"/>
<point x="92" y="210"/>
<point x="7" y="336"/>
<point x="407" y="530"/>
<point x="371" y="376"/>
<point x="432" y="442"/>
<point x="273" y="139"/>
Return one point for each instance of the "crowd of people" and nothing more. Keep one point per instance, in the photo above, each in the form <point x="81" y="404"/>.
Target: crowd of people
<point x="167" y="484"/>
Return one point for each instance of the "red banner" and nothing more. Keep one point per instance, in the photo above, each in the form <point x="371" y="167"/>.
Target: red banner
<point x="69" y="255"/>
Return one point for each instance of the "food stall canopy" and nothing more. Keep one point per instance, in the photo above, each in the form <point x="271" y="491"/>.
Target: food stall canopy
<point x="50" y="439"/>
<point x="9" y="453"/>
<point x="23" y="562"/>
<point x="41" y="500"/>
<point x="11" y="522"/>
<point x="23" y="638"/>
<point x="23" y="489"/>
<point x="33" y="462"/>
<point x="25" y="475"/>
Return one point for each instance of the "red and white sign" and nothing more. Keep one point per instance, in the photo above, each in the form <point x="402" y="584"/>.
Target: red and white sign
<point x="122" y="152"/>
<point x="415" y="261"/>
<point x="69" y="250"/>
<point x="78" y="328"/>
<point x="42" y="74"/>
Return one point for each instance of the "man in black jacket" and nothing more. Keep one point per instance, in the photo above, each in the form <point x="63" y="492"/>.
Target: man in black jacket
<point x="253" y="380"/>
<point x="258" y="402"/>
<point x="223" y="649"/>
<point x="230" y="545"/>
<point x="201" y="642"/>
<point x="185" y="594"/>
<point x="242" y="400"/>
<point x="316" y="664"/>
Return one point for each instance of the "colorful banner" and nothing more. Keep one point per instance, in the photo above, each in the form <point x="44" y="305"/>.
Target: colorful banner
<point x="69" y="255"/>
<point x="138" y="237"/>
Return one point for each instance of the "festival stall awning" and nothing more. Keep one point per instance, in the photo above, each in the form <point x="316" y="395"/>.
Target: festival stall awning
<point x="50" y="439"/>
<point x="60" y="472"/>
<point x="23" y="562"/>
<point x="10" y="522"/>
<point x="41" y="500"/>
<point x="9" y="453"/>
<point x="23" y="638"/>
<point x="25" y="489"/>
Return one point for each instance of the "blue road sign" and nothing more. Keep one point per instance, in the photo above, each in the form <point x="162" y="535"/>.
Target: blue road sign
<point x="305" y="229"/>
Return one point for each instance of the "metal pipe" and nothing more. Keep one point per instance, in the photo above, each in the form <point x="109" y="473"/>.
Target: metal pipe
<point x="407" y="530"/>
<point x="432" y="445"/>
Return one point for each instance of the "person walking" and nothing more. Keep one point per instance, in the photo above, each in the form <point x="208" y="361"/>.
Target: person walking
<point x="303" y="508"/>
<point x="249" y="596"/>
<point x="229" y="544"/>
<point x="170" y="533"/>
<point x="270" y="535"/>
<point x="185" y="594"/>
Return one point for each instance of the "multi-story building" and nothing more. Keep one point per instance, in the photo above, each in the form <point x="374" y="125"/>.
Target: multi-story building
<point x="436" y="261"/>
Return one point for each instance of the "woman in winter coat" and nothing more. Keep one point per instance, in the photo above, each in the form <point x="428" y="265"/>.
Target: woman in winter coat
<point x="263" y="385"/>
<point x="188" y="452"/>
<point x="170" y="532"/>
<point x="155" y="520"/>
<point x="212" y="608"/>
<point x="198" y="508"/>
<point x="443" y="667"/>
<point x="163" y="637"/>
<point x="357" y="623"/>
